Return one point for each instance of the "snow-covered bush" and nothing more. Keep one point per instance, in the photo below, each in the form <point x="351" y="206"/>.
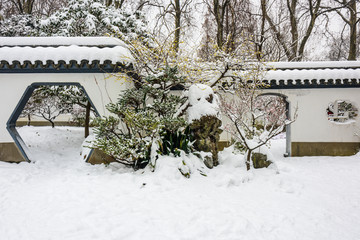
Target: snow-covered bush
<point x="79" y="18"/>
<point x="19" y="25"/>
<point x="220" y="71"/>
<point x="254" y="119"/>
<point x="93" y="18"/>
<point x="141" y="118"/>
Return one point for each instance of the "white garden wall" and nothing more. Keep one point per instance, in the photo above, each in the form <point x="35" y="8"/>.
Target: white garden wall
<point x="312" y="124"/>
<point x="101" y="88"/>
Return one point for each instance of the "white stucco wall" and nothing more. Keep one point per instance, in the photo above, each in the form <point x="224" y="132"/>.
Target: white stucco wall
<point x="101" y="88"/>
<point x="312" y="124"/>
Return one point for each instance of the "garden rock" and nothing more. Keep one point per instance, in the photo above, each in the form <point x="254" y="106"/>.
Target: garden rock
<point x="260" y="160"/>
<point x="206" y="132"/>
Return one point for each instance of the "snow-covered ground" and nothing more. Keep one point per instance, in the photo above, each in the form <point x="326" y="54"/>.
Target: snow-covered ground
<point x="61" y="197"/>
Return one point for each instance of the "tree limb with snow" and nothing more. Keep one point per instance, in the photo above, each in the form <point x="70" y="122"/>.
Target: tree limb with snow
<point x="255" y="118"/>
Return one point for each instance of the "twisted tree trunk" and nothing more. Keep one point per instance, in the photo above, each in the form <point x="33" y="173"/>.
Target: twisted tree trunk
<point x="87" y="119"/>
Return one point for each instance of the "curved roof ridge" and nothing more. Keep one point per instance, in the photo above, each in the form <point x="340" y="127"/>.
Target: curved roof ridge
<point x="65" y="53"/>
<point x="60" y="41"/>
<point x="313" y="65"/>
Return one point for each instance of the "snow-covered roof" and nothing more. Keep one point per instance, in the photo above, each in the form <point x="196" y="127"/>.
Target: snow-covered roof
<point x="314" y="65"/>
<point x="59" y="54"/>
<point x="313" y="74"/>
<point x="60" y="41"/>
<point x="65" y="53"/>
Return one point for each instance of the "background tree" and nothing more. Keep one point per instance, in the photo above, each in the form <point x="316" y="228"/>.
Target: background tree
<point x="172" y="18"/>
<point x="46" y="103"/>
<point x="284" y="30"/>
<point x="23" y="6"/>
<point x="346" y="41"/>
<point x="45" y="8"/>
<point x="30" y="107"/>
<point x="36" y="8"/>
<point x="74" y="96"/>
<point x="115" y="3"/>
<point x="49" y="102"/>
<point x="299" y="16"/>
<point x="6" y="9"/>
<point x="232" y="20"/>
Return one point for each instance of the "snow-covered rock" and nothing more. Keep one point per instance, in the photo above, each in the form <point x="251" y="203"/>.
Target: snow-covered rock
<point x="203" y="102"/>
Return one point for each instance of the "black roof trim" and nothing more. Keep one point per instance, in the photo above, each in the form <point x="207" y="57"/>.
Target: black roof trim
<point x="303" y="84"/>
<point x="312" y="83"/>
<point x="312" y="68"/>
<point x="73" y="66"/>
<point x="312" y="65"/>
<point x="63" y="45"/>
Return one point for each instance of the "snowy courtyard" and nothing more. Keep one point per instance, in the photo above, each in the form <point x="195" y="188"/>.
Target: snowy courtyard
<point x="59" y="196"/>
<point x="115" y="115"/>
